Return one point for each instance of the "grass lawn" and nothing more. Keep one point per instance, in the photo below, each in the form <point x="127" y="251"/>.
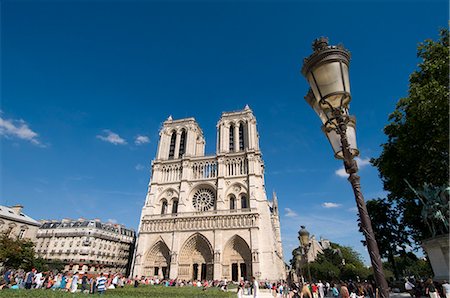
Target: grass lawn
<point x="141" y="291"/>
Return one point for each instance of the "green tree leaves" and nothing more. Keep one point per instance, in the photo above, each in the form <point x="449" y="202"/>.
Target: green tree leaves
<point x="418" y="134"/>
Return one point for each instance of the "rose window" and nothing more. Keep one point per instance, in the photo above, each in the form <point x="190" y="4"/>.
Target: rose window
<point x="203" y="199"/>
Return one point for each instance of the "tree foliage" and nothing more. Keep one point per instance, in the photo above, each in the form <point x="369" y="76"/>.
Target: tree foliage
<point x="19" y="253"/>
<point x="392" y="238"/>
<point x="418" y="134"/>
<point x="337" y="263"/>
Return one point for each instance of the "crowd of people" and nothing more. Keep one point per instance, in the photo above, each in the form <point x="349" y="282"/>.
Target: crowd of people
<point x="429" y="288"/>
<point x="99" y="283"/>
<point x="68" y="282"/>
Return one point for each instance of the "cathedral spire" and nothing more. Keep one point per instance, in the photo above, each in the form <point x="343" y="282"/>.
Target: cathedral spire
<point x="274" y="202"/>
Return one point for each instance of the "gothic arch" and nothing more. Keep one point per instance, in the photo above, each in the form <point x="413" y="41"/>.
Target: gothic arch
<point x="237" y="189"/>
<point x="196" y="259"/>
<point x="157" y="260"/>
<point x="168" y="193"/>
<point x="237" y="259"/>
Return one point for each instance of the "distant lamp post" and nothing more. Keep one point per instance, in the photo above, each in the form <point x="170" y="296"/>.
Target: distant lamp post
<point x="327" y="72"/>
<point x="303" y="236"/>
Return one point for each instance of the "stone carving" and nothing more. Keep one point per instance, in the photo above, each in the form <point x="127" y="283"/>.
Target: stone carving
<point x="217" y="256"/>
<point x="237" y="188"/>
<point x="169" y="193"/>
<point x="255" y="255"/>
<point x="435" y="207"/>
<point x="199" y="223"/>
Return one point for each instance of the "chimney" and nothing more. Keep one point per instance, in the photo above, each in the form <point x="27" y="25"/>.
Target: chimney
<point x="17" y="209"/>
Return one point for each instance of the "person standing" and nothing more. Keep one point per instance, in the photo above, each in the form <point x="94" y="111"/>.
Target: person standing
<point x="344" y="291"/>
<point x="334" y="291"/>
<point x="446" y="289"/>
<point x="240" y="291"/>
<point x="315" y="290"/>
<point x="430" y="289"/>
<point x="305" y="291"/>
<point x="84" y="283"/>
<point x="255" y="287"/>
<point x="320" y="286"/>
<point x="29" y="277"/>
<point x="74" y="285"/>
<point x="101" y="284"/>
<point x="7" y="276"/>
<point x="409" y="287"/>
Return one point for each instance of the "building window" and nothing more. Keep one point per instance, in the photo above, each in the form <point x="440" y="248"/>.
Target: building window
<point x="241" y="137"/>
<point x="231" y="141"/>
<point x="172" y="145"/>
<point x="22" y="234"/>
<point x="244" y="202"/>
<point x="182" y="143"/>
<point x="164" y="207"/>
<point x="232" y="203"/>
<point x="175" y="206"/>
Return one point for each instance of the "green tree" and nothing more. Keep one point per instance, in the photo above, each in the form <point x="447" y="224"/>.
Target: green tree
<point x="417" y="148"/>
<point x="336" y="263"/>
<point x="390" y="233"/>
<point x="16" y="253"/>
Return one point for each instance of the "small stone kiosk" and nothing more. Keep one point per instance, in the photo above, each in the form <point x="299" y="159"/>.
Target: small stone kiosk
<point x="435" y="213"/>
<point x="437" y="249"/>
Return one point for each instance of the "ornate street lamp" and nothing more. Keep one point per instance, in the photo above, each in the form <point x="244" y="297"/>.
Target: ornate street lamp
<point x="303" y="236"/>
<point x="327" y="72"/>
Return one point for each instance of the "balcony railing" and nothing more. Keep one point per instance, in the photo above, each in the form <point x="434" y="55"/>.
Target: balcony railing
<point x="201" y="213"/>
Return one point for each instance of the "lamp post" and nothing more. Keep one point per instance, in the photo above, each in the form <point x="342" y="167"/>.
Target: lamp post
<point x="303" y="236"/>
<point x="326" y="71"/>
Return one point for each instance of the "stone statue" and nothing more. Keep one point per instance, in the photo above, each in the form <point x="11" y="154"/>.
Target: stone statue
<point x="435" y="207"/>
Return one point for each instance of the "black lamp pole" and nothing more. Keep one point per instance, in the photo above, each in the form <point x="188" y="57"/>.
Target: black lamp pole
<point x="327" y="73"/>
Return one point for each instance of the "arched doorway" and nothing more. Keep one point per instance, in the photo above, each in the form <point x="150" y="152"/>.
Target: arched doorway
<point x="237" y="260"/>
<point x="157" y="261"/>
<point x="196" y="259"/>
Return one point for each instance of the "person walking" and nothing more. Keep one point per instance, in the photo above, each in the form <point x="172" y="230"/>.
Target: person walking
<point x="255" y="287"/>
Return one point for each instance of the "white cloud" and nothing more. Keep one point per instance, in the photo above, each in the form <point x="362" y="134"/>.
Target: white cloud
<point x="290" y="212"/>
<point x="353" y="209"/>
<point x="361" y="164"/>
<point x="139" y="167"/>
<point x="10" y="128"/>
<point x="112" y="138"/>
<point x="141" y="140"/>
<point x="330" y="205"/>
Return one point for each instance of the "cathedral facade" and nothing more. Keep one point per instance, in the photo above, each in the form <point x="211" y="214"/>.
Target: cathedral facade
<point x="208" y="217"/>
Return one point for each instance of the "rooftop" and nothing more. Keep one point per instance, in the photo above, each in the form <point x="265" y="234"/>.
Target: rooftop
<point x="15" y="213"/>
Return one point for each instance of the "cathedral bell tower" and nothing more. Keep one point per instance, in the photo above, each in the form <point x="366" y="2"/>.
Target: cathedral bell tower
<point x="208" y="217"/>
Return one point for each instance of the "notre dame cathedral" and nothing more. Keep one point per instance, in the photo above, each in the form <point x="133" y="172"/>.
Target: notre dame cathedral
<point x="208" y="217"/>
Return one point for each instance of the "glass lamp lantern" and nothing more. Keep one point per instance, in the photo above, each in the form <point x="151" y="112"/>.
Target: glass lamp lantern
<point x="335" y="139"/>
<point x="327" y="72"/>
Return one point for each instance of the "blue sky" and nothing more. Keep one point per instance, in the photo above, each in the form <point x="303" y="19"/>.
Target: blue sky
<point x="82" y="80"/>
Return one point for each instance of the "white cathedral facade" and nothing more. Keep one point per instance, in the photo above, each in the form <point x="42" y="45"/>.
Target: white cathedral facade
<point x="208" y="217"/>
